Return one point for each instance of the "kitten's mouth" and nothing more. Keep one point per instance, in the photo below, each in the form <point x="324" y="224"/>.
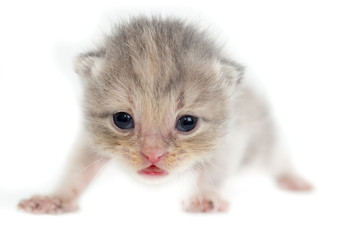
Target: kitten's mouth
<point x="153" y="171"/>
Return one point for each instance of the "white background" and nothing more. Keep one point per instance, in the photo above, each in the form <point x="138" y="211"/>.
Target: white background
<point x="289" y="47"/>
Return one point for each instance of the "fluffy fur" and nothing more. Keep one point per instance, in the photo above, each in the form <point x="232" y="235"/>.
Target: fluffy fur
<point x="158" y="70"/>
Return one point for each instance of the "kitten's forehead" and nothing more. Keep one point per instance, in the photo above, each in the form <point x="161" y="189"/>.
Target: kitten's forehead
<point x="156" y="53"/>
<point x="163" y="85"/>
<point x="158" y="82"/>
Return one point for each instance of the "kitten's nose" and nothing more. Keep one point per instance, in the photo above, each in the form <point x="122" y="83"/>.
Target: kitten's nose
<point x="154" y="155"/>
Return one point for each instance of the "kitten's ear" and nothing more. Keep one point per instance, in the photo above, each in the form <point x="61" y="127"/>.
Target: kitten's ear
<point x="89" y="64"/>
<point x="231" y="72"/>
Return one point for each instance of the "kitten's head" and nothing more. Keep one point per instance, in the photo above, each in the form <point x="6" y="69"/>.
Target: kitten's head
<point x="157" y="96"/>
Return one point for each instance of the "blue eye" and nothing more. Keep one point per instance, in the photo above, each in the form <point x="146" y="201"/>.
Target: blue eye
<point x="123" y="120"/>
<point x="186" y="123"/>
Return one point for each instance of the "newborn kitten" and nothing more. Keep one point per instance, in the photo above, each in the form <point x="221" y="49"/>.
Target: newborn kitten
<point x="162" y="98"/>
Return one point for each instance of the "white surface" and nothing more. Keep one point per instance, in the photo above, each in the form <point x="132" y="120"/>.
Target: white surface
<point x="290" y="46"/>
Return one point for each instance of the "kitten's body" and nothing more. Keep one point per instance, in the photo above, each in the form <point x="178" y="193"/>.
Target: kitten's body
<point x="188" y="109"/>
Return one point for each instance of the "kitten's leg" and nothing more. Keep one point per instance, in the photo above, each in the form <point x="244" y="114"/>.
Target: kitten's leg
<point x="282" y="170"/>
<point x="211" y="176"/>
<point x="83" y="167"/>
<point x="206" y="195"/>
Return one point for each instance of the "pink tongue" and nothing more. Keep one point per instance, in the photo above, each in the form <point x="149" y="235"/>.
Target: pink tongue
<point x="153" y="168"/>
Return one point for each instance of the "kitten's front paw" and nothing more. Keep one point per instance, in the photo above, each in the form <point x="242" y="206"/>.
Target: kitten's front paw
<point x="206" y="203"/>
<point x="47" y="205"/>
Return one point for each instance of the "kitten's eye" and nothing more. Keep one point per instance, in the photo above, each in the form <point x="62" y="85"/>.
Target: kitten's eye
<point x="186" y="123"/>
<point x="123" y="120"/>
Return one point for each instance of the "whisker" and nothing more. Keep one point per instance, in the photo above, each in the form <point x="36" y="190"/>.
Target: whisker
<point x="87" y="167"/>
<point x="102" y="169"/>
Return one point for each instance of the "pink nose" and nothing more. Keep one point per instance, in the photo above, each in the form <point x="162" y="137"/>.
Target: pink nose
<point x="154" y="155"/>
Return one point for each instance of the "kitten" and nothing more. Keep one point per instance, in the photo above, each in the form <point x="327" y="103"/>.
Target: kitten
<point x="162" y="98"/>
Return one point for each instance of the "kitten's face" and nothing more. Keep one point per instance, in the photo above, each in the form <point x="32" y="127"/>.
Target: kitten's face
<point x="157" y="110"/>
